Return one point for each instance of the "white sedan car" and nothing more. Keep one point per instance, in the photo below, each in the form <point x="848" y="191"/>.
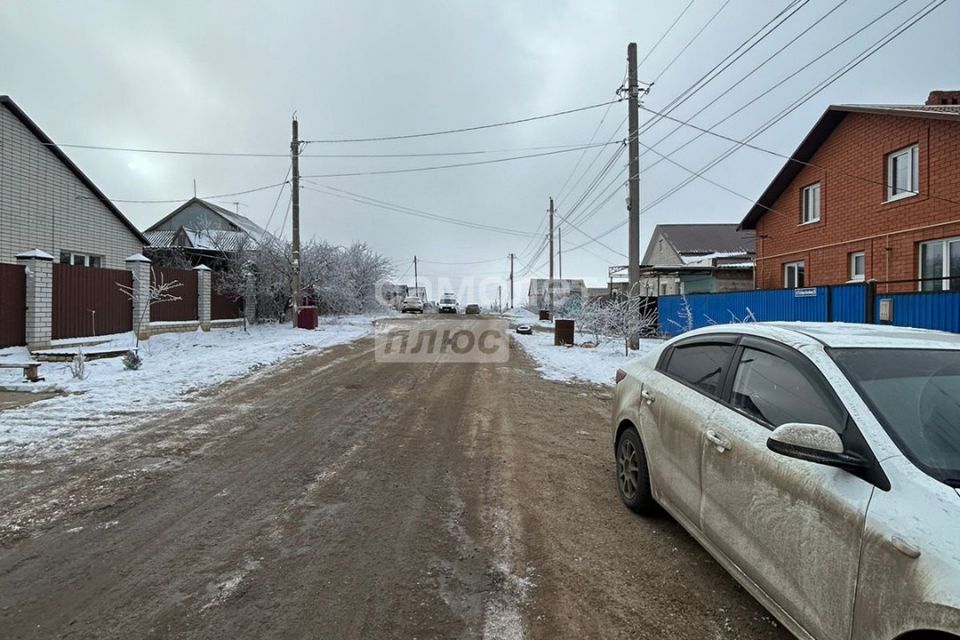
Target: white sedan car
<point x="818" y="463"/>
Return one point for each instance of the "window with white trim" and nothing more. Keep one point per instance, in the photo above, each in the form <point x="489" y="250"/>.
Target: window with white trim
<point x="903" y="173"/>
<point x="80" y="259"/>
<point x="858" y="266"/>
<point x="940" y="260"/>
<point x="793" y="275"/>
<point x="810" y="203"/>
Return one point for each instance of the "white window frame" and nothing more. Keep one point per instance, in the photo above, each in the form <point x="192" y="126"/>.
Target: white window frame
<point x="85" y="257"/>
<point x="787" y="267"/>
<point x="912" y="154"/>
<point x="944" y="263"/>
<point x="854" y="276"/>
<point x="810" y="194"/>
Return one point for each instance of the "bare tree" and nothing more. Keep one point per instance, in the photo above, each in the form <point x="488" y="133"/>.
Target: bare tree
<point x="158" y="292"/>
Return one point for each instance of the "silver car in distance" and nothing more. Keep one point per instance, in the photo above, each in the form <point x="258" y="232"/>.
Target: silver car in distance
<point x="818" y="463"/>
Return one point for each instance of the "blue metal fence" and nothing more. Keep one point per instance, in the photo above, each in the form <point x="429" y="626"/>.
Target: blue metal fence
<point x="927" y="310"/>
<point x="841" y="303"/>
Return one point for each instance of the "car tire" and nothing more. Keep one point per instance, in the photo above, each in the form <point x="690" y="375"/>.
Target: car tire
<point x="633" y="476"/>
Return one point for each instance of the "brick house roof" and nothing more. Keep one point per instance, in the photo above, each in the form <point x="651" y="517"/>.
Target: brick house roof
<point x="829" y="121"/>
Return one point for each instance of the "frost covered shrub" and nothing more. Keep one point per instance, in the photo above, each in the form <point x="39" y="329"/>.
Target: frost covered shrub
<point x="78" y="366"/>
<point x="132" y="360"/>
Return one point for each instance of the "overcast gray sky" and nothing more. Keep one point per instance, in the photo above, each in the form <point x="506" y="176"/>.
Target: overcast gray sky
<point x="226" y="76"/>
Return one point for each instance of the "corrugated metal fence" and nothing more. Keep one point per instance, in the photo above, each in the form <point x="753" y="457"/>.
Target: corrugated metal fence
<point x="841" y="303"/>
<point x="13" y="286"/>
<point x="222" y="306"/>
<point x="183" y="309"/>
<point x="87" y="301"/>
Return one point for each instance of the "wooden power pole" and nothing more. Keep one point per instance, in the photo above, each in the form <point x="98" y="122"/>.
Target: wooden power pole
<point x="633" y="242"/>
<point x="295" y="206"/>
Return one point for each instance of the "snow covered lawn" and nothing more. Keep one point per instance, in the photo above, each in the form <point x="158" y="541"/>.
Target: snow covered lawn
<point x="597" y="365"/>
<point x="175" y="366"/>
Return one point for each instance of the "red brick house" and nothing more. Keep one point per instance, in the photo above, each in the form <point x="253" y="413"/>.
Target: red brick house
<point x="872" y="193"/>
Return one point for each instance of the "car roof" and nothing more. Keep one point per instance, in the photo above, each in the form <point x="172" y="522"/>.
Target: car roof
<point x="839" y="335"/>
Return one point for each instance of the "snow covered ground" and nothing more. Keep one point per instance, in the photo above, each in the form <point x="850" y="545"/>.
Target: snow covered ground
<point x="597" y="365"/>
<point x="175" y="367"/>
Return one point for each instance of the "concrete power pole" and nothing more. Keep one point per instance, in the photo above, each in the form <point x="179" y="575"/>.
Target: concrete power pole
<point x="295" y="206"/>
<point x="633" y="244"/>
<point x="550" y="280"/>
<point x="511" y="281"/>
<point x="416" y="278"/>
<point x="559" y="252"/>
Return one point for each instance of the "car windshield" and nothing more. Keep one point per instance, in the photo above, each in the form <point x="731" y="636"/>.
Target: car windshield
<point x="915" y="393"/>
<point x="447" y="300"/>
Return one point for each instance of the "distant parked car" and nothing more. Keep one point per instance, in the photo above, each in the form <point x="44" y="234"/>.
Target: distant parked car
<point x="819" y="464"/>
<point x="472" y="308"/>
<point x="448" y="304"/>
<point x="525" y="329"/>
<point x="411" y="304"/>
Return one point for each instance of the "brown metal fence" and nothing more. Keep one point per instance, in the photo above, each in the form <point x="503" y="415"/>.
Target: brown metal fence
<point x="13" y="291"/>
<point x="223" y="307"/>
<point x="87" y="301"/>
<point x="183" y="309"/>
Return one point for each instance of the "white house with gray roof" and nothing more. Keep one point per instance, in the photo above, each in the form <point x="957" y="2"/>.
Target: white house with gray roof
<point x="202" y="227"/>
<point x="48" y="203"/>
<point x="697" y="258"/>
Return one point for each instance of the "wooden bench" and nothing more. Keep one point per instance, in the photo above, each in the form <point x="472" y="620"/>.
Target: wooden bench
<point x="31" y="370"/>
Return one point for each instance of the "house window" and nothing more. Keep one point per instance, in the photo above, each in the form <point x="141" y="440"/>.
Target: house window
<point x="940" y="259"/>
<point x="80" y="259"/>
<point x="793" y="275"/>
<point x="903" y="173"/>
<point x="811" y="203"/>
<point x="858" y="266"/>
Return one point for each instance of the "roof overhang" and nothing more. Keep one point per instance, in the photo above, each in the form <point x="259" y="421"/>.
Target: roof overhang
<point x="825" y="126"/>
<point x="12" y="106"/>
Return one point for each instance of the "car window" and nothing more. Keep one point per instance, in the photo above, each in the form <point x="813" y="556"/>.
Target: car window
<point x="700" y="365"/>
<point x="773" y="390"/>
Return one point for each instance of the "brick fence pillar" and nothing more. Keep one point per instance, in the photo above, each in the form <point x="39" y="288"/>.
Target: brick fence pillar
<point x="203" y="295"/>
<point x="39" y="299"/>
<point x="250" y="296"/>
<point x="139" y="265"/>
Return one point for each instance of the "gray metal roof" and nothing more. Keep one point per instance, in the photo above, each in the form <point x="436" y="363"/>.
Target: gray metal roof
<point x="703" y="239"/>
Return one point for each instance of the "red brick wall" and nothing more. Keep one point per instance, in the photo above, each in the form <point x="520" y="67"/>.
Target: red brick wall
<point x="853" y="213"/>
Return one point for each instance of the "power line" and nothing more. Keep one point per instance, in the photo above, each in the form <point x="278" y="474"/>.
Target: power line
<point x="786" y="157"/>
<point x="213" y="197"/>
<point x="463" y="129"/>
<point x="463" y="262"/>
<point x="382" y="204"/>
<point x="833" y="77"/>
<point x="456" y="165"/>
<point x="665" y="33"/>
<point x="691" y="41"/>
<point x="243" y="154"/>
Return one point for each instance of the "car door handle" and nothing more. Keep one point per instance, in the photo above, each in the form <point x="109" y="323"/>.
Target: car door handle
<point x="646" y="395"/>
<point x="721" y="443"/>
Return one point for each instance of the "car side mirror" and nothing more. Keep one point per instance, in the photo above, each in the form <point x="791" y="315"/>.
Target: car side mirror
<point x="813" y="443"/>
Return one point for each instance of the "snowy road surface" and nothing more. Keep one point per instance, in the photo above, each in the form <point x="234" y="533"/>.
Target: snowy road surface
<point x="336" y="497"/>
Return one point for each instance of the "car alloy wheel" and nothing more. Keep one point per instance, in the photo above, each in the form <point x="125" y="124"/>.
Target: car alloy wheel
<point x="628" y="469"/>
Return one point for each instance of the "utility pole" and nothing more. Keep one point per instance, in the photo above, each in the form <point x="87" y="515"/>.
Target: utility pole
<point x="295" y="206"/>
<point x="550" y="280"/>
<point x="511" y="281"/>
<point x="559" y="252"/>
<point x="499" y="299"/>
<point x="416" y="279"/>
<point x="633" y="244"/>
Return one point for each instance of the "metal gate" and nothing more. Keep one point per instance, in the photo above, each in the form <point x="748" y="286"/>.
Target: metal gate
<point x="13" y="291"/>
<point x="87" y="301"/>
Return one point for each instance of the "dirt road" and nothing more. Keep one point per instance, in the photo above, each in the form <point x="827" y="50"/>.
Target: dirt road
<point x="336" y="497"/>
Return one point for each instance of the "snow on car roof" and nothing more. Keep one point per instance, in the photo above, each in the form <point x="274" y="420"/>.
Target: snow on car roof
<point x="842" y="334"/>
